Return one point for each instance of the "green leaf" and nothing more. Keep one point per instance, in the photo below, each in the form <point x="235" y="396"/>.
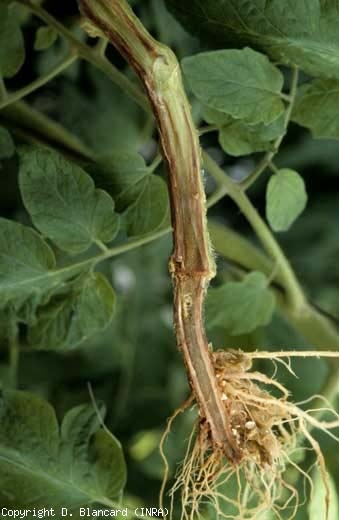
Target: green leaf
<point x="69" y="319"/>
<point x="317" y="108"/>
<point x="240" y="307"/>
<point x="238" y="138"/>
<point x="28" y="274"/>
<point x="80" y="424"/>
<point x="317" y="504"/>
<point x="304" y="33"/>
<point x="169" y="31"/>
<point x="53" y="55"/>
<point x="118" y="173"/>
<point x="241" y="83"/>
<point x="44" y="38"/>
<point x="286" y="199"/>
<point x="149" y="209"/>
<point x="63" y="202"/>
<point x="102" y="125"/>
<point x="141" y="196"/>
<point x="40" y="467"/>
<point x="12" y="49"/>
<point x="7" y="147"/>
<point x="25" y="264"/>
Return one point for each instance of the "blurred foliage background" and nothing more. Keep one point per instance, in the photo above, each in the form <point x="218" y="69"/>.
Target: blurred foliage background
<point x="134" y="366"/>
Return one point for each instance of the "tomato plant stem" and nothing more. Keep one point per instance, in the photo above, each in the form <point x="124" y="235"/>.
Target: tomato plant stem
<point x="191" y="265"/>
<point x="54" y="132"/>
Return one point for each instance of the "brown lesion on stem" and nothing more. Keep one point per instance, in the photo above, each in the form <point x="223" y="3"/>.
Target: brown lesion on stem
<point x="191" y="265"/>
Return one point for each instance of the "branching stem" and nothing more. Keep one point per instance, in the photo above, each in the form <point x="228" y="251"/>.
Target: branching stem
<point x="191" y="265"/>
<point x="41" y="81"/>
<point x="89" y="54"/>
<point x="316" y="328"/>
<point x="294" y="292"/>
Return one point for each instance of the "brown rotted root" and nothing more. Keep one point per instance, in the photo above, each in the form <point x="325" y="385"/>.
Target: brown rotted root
<point x="260" y="423"/>
<point x="268" y="432"/>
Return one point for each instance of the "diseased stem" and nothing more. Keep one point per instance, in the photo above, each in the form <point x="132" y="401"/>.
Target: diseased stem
<point x="45" y="131"/>
<point x="91" y="55"/>
<point x="192" y="265"/>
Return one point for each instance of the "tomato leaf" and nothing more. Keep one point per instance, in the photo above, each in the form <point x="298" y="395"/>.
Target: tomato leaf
<point x="317" y="108"/>
<point x="241" y="83"/>
<point x="7" y="147"/>
<point x="67" y="320"/>
<point x="25" y="264"/>
<point x="304" y="33"/>
<point x="240" y="307"/>
<point x="79" y="466"/>
<point x="285" y="200"/>
<point x="63" y="202"/>
<point x="44" y="38"/>
<point x="12" y="49"/>
<point x="317" y="504"/>
<point x="239" y="138"/>
<point x="140" y="196"/>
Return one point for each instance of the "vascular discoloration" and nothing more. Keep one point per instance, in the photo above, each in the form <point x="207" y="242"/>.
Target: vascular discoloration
<point x="191" y="265"/>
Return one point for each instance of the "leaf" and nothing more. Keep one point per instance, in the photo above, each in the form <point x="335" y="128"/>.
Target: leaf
<point x="12" y="50"/>
<point x="80" y="424"/>
<point x="304" y="33"/>
<point x="317" y="108"/>
<point x="169" y="31"/>
<point x="241" y="83"/>
<point x="150" y="209"/>
<point x="141" y="196"/>
<point x="44" y="38"/>
<point x="40" y="466"/>
<point x="69" y="319"/>
<point x="53" y="55"/>
<point x="240" y="307"/>
<point x="238" y="138"/>
<point x="118" y="173"/>
<point x="317" y="504"/>
<point x="7" y="147"/>
<point x="286" y="199"/>
<point x="29" y="277"/>
<point x="265" y="132"/>
<point x="102" y="125"/>
<point x="25" y="263"/>
<point x="63" y="202"/>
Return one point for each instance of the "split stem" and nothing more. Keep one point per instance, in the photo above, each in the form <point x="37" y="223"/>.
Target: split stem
<point x="191" y="265"/>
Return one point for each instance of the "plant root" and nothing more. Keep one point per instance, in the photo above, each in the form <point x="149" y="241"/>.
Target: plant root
<point x="269" y="432"/>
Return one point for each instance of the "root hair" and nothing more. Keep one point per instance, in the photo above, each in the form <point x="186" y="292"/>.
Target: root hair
<point x="268" y="431"/>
